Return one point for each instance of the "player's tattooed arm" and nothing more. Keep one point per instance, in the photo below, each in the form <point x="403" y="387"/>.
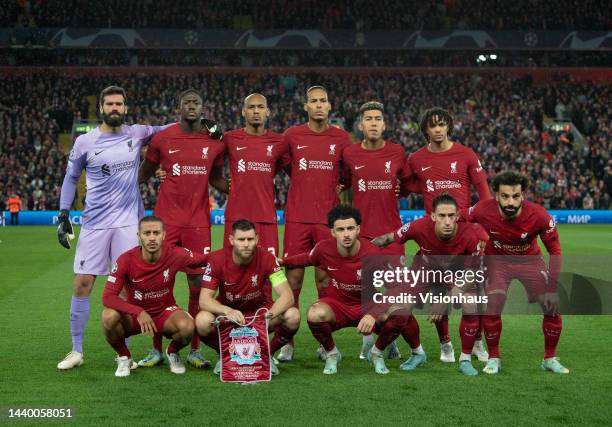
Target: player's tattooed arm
<point x="384" y="240"/>
<point x="218" y="181"/>
<point x="146" y="171"/>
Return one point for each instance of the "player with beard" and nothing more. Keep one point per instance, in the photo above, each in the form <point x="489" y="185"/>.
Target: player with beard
<point x="444" y="243"/>
<point x="447" y="166"/>
<point x="514" y="225"/>
<point x="255" y="154"/>
<point x="239" y="275"/>
<point x="147" y="273"/>
<point x="376" y="167"/>
<point x="315" y="164"/>
<point x="110" y="155"/>
<point x="190" y="159"/>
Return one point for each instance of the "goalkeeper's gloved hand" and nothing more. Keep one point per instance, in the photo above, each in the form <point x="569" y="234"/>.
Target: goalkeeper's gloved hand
<point x="65" y="233"/>
<point x="213" y="128"/>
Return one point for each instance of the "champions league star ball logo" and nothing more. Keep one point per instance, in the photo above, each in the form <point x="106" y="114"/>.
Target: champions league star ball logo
<point x="269" y="150"/>
<point x="332" y="149"/>
<point x="205" y="152"/>
<point x="244" y="348"/>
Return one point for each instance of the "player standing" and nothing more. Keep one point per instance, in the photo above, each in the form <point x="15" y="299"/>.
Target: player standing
<point x="255" y="155"/>
<point x="110" y="155"/>
<point x="239" y="275"/>
<point x="190" y="159"/>
<point x="316" y="151"/>
<point x="514" y="225"/>
<point x="342" y="259"/>
<point x="376" y="167"/>
<point x="440" y="238"/>
<point x="147" y="272"/>
<point x="447" y="166"/>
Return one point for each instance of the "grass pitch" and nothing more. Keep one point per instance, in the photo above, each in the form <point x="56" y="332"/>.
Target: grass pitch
<point x="35" y="288"/>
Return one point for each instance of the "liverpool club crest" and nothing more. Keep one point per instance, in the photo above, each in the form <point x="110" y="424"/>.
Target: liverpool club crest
<point x="244" y="348"/>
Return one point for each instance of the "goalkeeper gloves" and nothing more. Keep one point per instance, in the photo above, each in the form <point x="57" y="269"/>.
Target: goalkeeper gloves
<point x="65" y="233"/>
<point x="213" y="128"/>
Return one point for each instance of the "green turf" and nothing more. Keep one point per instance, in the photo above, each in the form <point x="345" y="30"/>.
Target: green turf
<point x="35" y="289"/>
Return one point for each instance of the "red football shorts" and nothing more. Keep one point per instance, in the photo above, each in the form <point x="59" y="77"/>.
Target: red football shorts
<point x="300" y="237"/>
<point x="531" y="271"/>
<point x="347" y="315"/>
<point x="159" y="320"/>
<point x="267" y="236"/>
<point x="195" y="239"/>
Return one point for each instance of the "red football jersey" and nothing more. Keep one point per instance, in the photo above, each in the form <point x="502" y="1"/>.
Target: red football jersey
<point x="518" y="236"/>
<point x="423" y="232"/>
<point x="374" y="177"/>
<point x="188" y="159"/>
<point x="315" y="172"/>
<point x="344" y="273"/>
<point x="240" y="286"/>
<point x="149" y="286"/>
<point x="453" y="171"/>
<point x="253" y="162"/>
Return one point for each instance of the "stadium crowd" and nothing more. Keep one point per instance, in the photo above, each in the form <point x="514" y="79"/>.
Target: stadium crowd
<point x="299" y="58"/>
<point x="279" y="14"/>
<point x="501" y="117"/>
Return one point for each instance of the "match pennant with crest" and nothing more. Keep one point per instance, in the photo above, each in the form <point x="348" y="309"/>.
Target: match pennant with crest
<point x="245" y="349"/>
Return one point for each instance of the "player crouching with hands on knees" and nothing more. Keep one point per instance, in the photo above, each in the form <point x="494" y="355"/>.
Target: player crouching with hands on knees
<point x="238" y="276"/>
<point x="147" y="272"/>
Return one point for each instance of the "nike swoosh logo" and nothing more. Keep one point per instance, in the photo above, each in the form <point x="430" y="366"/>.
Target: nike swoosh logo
<point x="299" y="147"/>
<point x="359" y="167"/>
<point x="173" y="151"/>
<point x="137" y="281"/>
<point x="425" y="249"/>
<point x="424" y="169"/>
<point x="493" y="232"/>
<point x="240" y="148"/>
<point x="332" y="269"/>
<point x="478" y="169"/>
<point x="98" y="152"/>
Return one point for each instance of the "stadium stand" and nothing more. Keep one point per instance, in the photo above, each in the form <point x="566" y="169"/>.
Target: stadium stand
<point x="277" y="14"/>
<point x="506" y="119"/>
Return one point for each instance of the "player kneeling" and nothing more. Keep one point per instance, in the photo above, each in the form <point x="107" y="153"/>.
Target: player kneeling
<point x="238" y="275"/>
<point x="341" y="257"/>
<point x="147" y="273"/>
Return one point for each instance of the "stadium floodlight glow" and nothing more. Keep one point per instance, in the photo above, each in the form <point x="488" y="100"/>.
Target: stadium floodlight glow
<point x="493" y="57"/>
<point x="481" y="58"/>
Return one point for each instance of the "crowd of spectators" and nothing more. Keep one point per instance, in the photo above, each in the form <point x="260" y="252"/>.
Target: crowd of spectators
<point x="500" y="116"/>
<point x="301" y="58"/>
<point x="280" y="14"/>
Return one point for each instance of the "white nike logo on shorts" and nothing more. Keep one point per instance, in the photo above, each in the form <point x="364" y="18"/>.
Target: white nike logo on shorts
<point x="424" y="169"/>
<point x="240" y="148"/>
<point x="299" y="147"/>
<point x="173" y="151"/>
<point x="359" y="167"/>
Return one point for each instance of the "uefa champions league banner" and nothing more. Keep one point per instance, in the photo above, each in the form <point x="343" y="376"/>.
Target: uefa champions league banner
<point x="217" y="217"/>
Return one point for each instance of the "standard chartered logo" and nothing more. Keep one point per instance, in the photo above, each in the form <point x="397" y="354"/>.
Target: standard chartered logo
<point x="241" y="165"/>
<point x="303" y="164"/>
<point x="430" y="186"/>
<point x="362" y="185"/>
<point x="176" y="169"/>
